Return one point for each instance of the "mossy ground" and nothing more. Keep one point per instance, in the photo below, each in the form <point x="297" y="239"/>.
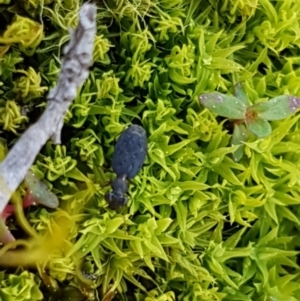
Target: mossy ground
<point x="198" y="225"/>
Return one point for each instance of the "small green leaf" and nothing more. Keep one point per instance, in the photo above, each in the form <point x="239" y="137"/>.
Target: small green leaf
<point x="277" y="108"/>
<point x="224" y="105"/>
<point x="259" y="127"/>
<point x="110" y="244"/>
<point x="240" y="93"/>
<point x="181" y="211"/>
<point x="227" y="173"/>
<point x="113" y="224"/>
<point x="190" y="185"/>
<point x="162" y="225"/>
<point x="234" y="239"/>
<point x="239" y="135"/>
<point x="39" y="192"/>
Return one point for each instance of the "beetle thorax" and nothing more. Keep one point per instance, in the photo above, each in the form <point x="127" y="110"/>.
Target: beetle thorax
<point x="119" y="185"/>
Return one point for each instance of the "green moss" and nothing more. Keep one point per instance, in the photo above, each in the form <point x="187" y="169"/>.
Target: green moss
<point x="19" y="287"/>
<point x="198" y="225"/>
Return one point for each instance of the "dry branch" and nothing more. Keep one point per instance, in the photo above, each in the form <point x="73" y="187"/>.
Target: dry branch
<point x="77" y="59"/>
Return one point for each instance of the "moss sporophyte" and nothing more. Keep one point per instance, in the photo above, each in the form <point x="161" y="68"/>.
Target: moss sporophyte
<point x="213" y="214"/>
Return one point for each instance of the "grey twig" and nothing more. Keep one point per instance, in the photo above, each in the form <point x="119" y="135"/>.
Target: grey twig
<point x="77" y="59"/>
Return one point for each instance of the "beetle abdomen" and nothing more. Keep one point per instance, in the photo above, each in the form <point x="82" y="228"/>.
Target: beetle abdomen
<point x="130" y="152"/>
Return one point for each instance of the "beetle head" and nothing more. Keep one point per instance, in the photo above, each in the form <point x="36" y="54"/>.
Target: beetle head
<point x="115" y="200"/>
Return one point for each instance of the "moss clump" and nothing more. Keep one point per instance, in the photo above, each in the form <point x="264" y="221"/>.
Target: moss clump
<point x="198" y="226"/>
<point x="21" y="287"/>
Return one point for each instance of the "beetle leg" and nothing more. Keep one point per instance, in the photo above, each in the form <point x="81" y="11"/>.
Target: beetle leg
<point x="107" y="169"/>
<point x="105" y="184"/>
<point x="131" y="181"/>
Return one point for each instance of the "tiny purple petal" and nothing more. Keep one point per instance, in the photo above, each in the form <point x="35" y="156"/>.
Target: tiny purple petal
<point x="294" y="103"/>
<point x="202" y="97"/>
<point x="277" y="108"/>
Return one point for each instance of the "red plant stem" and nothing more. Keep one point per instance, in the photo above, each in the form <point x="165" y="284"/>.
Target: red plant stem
<point x="28" y="200"/>
<point x="7" y="212"/>
<point x="10" y="209"/>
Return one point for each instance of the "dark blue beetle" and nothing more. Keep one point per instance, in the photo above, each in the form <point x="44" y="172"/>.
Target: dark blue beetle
<point x="128" y="158"/>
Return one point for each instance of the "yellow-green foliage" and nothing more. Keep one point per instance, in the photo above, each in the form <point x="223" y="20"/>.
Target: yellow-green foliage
<point x="22" y="287"/>
<point x="198" y="226"/>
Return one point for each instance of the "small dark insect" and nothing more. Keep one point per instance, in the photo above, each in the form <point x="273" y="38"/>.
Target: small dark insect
<point x="128" y="158"/>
